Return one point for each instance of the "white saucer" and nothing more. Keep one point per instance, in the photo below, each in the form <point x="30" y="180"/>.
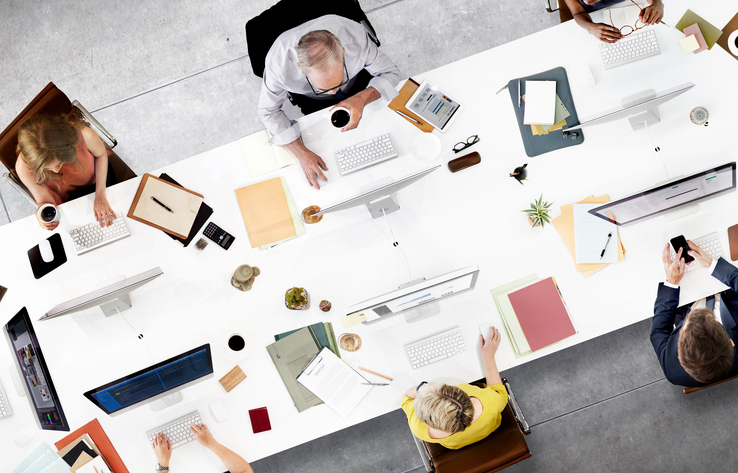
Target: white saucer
<point x="426" y="147"/>
<point x="731" y="42"/>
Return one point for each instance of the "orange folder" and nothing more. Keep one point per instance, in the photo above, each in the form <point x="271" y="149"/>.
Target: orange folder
<point x="265" y="212"/>
<point x="399" y="102"/>
<point x="103" y="443"/>
<point x="564" y="225"/>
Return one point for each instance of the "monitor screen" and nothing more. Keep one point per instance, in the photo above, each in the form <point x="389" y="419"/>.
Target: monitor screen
<point x="677" y="193"/>
<point x="155" y="380"/>
<point x="416" y="295"/>
<point x="35" y="373"/>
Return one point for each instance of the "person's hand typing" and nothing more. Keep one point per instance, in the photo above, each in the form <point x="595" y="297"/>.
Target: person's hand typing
<point x="700" y="257"/>
<point x="202" y="435"/>
<point x="674" y="269"/>
<point x="103" y="213"/>
<point x="162" y="449"/>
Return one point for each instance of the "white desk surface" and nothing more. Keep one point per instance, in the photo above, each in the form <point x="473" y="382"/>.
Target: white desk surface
<point x="447" y="221"/>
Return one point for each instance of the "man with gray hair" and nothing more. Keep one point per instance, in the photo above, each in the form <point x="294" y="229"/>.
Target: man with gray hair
<point x="327" y="61"/>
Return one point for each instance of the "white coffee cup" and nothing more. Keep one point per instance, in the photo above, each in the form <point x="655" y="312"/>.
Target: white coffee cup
<point x="48" y="213"/>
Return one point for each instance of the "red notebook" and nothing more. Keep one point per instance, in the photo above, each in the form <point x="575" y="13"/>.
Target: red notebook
<point x="542" y="314"/>
<point x="97" y="434"/>
<point x="260" y="420"/>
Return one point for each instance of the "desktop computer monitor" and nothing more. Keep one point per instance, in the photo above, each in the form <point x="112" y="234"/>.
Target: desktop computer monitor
<point x="640" y="109"/>
<point x="416" y="298"/>
<point x="112" y="299"/>
<point x="379" y="200"/>
<point x="678" y="193"/>
<point x="155" y="383"/>
<point x="34" y="373"/>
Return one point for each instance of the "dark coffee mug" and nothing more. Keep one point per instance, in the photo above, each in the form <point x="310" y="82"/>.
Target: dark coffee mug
<point x="236" y="343"/>
<point x="340" y="117"/>
<point x="47" y="213"/>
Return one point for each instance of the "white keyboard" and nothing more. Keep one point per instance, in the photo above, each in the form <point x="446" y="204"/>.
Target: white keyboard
<point x="91" y="236"/>
<point x="177" y="430"/>
<point x="5" y="410"/>
<point x="436" y="347"/>
<point x="632" y="48"/>
<point x="710" y="243"/>
<point x="365" y="154"/>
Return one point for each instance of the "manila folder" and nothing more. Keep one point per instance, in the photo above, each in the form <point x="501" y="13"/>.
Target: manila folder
<point x="265" y="212"/>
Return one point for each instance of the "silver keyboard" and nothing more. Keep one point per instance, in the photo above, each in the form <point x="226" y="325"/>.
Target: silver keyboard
<point x="5" y="410"/>
<point x="177" y="430"/>
<point x="633" y="47"/>
<point x="91" y="236"/>
<point x="365" y="154"/>
<point x="710" y="243"/>
<point x="436" y="347"/>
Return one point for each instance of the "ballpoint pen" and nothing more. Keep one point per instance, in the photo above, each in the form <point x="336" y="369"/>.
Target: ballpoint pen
<point x="375" y="384"/>
<point x="609" y="235"/>
<point x="518" y="93"/>
<point x="409" y="118"/>
<point x="158" y="202"/>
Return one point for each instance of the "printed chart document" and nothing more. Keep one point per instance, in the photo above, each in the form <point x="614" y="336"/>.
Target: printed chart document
<point x="590" y="236"/>
<point x="334" y="382"/>
<point x="540" y="102"/>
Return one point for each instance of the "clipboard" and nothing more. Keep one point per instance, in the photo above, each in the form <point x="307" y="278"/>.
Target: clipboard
<point x="398" y="104"/>
<point x="183" y="202"/>
<point x="540" y="144"/>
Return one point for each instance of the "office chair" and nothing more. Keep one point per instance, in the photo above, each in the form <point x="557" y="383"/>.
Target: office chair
<point x="502" y="448"/>
<point x="692" y="390"/>
<point x="264" y="29"/>
<point x="52" y="101"/>
<point x="562" y="8"/>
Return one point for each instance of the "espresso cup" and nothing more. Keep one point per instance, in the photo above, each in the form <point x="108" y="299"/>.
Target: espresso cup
<point x="48" y="213"/>
<point x="236" y="342"/>
<point x="340" y="117"/>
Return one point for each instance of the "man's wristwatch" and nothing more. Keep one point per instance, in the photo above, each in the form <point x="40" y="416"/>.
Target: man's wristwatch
<point x="161" y="468"/>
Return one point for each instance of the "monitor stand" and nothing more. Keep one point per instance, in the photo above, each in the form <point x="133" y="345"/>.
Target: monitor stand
<point x="421" y="312"/>
<point x="17" y="381"/>
<point x="166" y="401"/>
<point x="116" y="306"/>
<point x="677" y="214"/>
<point x="649" y="117"/>
<point x="383" y="205"/>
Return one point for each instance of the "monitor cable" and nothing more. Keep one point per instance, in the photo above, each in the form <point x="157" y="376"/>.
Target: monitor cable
<point x="657" y="149"/>
<point x="140" y="335"/>
<point x="397" y="245"/>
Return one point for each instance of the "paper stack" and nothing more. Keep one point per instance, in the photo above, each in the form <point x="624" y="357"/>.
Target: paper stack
<point x="565" y="226"/>
<point x="262" y="156"/>
<point x="533" y="313"/>
<point x="89" y="448"/>
<point x="540" y="102"/>
<point x="269" y="213"/>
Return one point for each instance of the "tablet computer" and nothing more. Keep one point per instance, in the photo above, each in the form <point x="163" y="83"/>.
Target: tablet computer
<point x="432" y="105"/>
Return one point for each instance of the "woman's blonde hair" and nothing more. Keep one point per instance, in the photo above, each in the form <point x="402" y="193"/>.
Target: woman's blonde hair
<point x="44" y="139"/>
<point x="445" y="408"/>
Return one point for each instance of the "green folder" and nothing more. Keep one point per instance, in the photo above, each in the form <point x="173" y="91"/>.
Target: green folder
<point x="323" y="332"/>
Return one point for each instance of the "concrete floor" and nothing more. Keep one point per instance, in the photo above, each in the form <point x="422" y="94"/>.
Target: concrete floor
<point x="171" y="79"/>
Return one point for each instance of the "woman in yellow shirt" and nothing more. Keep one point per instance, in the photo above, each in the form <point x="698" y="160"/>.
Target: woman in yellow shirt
<point x="457" y="416"/>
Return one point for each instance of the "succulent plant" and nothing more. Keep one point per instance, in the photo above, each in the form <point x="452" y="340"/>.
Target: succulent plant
<point x="538" y="213"/>
<point x="296" y="298"/>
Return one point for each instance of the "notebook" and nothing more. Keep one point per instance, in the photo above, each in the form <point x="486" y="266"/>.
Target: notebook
<point x="540" y="102"/>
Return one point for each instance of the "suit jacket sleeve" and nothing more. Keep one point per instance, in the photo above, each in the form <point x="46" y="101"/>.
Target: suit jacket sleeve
<point x="664" y="313"/>
<point x="726" y="273"/>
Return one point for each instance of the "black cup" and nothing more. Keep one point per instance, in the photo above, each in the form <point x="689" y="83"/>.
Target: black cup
<point x="236" y="343"/>
<point x="736" y="41"/>
<point x="340" y="118"/>
<point x="48" y="214"/>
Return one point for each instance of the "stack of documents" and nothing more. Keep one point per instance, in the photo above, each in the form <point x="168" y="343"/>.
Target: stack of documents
<point x="262" y="156"/>
<point x="592" y="236"/>
<point x="540" y="102"/>
<point x="269" y="213"/>
<point x="42" y="460"/>
<point x="293" y="351"/>
<point x="533" y="313"/>
<point x="88" y="449"/>
<point x="560" y="115"/>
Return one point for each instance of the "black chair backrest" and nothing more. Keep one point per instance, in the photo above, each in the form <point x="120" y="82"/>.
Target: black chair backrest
<point x="263" y="30"/>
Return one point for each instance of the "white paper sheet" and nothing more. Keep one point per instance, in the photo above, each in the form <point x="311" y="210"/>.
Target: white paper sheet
<point x="590" y="235"/>
<point x="540" y="102"/>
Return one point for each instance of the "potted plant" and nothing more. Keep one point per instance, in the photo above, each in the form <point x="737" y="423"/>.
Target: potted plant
<point x="296" y="298"/>
<point x="538" y="213"/>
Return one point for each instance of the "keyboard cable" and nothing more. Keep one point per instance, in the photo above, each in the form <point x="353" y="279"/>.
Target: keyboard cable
<point x="397" y="245"/>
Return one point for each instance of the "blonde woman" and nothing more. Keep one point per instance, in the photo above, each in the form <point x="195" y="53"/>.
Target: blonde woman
<point x="457" y="416"/>
<point x="58" y="155"/>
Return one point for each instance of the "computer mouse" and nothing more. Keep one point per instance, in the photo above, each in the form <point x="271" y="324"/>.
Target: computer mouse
<point x="586" y="79"/>
<point x="218" y="410"/>
<point x="46" y="253"/>
<point x="484" y="329"/>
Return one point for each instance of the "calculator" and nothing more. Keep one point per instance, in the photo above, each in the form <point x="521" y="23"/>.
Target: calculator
<point x="218" y="235"/>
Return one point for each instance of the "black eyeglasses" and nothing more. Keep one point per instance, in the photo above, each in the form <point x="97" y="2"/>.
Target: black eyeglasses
<point x="323" y="92"/>
<point x="461" y="146"/>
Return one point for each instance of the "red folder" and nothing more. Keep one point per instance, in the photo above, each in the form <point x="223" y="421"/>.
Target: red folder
<point x="97" y="434"/>
<point x="542" y="314"/>
<point x="260" y="420"/>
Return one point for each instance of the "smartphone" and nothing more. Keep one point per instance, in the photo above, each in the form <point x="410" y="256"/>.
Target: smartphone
<point x="681" y="242"/>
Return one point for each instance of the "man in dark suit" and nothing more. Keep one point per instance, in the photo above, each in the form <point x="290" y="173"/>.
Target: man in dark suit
<point x="693" y="346"/>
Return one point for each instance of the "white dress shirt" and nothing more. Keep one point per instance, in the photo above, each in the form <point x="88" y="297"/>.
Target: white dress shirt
<point x="283" y="75"/>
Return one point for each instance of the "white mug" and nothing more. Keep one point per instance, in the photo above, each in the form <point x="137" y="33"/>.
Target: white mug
<point x="48" y="213"/>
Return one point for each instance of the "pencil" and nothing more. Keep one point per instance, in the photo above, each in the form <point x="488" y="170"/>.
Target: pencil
<point x="375" y="373"/>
